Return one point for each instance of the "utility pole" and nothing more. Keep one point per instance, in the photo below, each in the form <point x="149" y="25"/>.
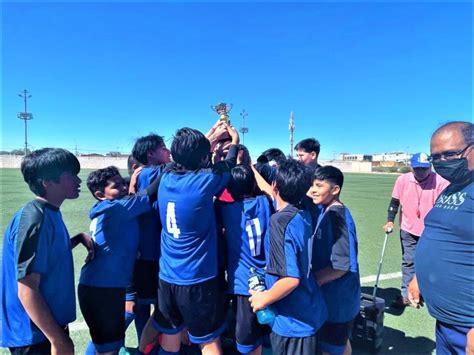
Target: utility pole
<point x="292" y="129"/>
<point x="243" y="129"/>
<point x="25" y="95"/>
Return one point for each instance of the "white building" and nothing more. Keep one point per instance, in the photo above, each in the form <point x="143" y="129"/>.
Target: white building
<point x="399" y="157"/>
<point x="354" y="157"/>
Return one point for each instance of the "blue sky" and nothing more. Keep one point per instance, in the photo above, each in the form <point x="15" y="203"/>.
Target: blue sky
<point x="362" y="77"/>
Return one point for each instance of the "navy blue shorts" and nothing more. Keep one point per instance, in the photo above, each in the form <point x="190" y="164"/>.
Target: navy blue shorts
<point x="199" y="307"/>
<point x="450" y="339"/>
<point x="248" y="331"/>
<point x="333" y="336"/>
<point x="145" y="281"/>
<point x="103" y="309"/>
<point x="284" y="345"/>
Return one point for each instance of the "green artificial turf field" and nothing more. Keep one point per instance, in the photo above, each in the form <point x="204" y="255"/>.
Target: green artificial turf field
<point x="367" y="196"/>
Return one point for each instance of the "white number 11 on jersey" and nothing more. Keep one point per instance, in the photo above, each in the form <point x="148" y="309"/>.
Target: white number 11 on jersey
<point x="171" y="225"/>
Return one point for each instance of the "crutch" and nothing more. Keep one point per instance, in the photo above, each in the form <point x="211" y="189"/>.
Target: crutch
<point x="389" y="230"/>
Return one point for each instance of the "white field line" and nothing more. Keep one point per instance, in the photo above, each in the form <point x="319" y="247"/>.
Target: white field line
<point x="78" y="326"/>
<point x="371" y="279"/>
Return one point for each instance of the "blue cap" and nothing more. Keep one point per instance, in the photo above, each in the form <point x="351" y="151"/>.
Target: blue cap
<point x="420" y="160"/>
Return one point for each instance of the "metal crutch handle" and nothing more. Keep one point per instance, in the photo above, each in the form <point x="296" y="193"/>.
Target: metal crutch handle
<point x="380" y="263"/>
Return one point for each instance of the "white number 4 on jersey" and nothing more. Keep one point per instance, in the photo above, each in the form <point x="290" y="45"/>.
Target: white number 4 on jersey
<point x="171" y="225"/>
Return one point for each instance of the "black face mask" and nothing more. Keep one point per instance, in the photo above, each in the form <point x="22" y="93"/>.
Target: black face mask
<point x="456" y="171"/>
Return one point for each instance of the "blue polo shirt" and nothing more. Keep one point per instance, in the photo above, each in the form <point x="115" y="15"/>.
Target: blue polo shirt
<point x="35" y="241"/>
<point x="149" y="223"/>
<point x="114" y="227"/>
<point x="444" y="261"/>
<point x="335" y="246"/>
<point x="303" y="311"/>
<point x="246" y="227"/>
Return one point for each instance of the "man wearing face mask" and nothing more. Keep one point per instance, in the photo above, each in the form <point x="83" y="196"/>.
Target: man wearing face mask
<point x="445" y="254"/>
<point x="416" y="193"/>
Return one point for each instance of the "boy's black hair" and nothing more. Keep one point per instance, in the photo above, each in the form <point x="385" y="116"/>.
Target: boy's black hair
<point x="145" y="144"/>
<point x="47" y="164"/>
<point x="309" y="145"/>
<point x="99" y="179"/>
<point x="244" y="154"/>
<point x="272" y="154"/>
<point x="131" y="162"/>
<point x="330" y="174"/>
<point x="242" y="182"/>
<point x="293" y="180"/>
<point x="189" y="148"/>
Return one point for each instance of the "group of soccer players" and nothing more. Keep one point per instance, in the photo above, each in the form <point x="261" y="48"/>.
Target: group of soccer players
<point x="173" y="247"/>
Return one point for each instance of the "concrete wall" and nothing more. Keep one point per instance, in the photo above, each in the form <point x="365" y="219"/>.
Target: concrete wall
<point x="14" y="162"/>
<point x="350" y="166"/>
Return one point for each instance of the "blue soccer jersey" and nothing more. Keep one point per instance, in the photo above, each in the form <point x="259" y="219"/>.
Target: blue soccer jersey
<point x="246" y="225"/>
<point x="114" y="227"/>
<point x="303" y="311"/>
<point x="189" y="235"/>
<point x="149" y="223"/>
<point x="36" y="241"/>
<point x="335" y="246"/>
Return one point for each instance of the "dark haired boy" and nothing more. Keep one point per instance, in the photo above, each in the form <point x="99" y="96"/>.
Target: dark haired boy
<point x="267" y="163"/>
<point x="150" y="151"/>
<point x="37" y="293"/>
<point x="246" y="225"/>
<point x="307" y="151"/>
<point x="292" y="292"/>
<point x="335" y="263"/>
<point x="103" y="281"/>
<point x="189" y="293"/>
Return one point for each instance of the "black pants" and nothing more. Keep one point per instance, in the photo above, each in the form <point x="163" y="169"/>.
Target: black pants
<point x="409" y="242"/>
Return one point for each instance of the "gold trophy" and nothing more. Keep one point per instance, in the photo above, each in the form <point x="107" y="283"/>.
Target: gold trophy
<point x="222" y="109"/>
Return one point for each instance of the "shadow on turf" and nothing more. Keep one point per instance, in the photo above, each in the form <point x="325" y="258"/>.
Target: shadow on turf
<point x="389" y="295"/>
<point x="395" y="342"/>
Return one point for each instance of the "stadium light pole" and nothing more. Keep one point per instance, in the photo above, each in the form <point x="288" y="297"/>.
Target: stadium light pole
<point x="243" y="129"/>
<point x="25" y="115"/>
<point x="291" y="127"/>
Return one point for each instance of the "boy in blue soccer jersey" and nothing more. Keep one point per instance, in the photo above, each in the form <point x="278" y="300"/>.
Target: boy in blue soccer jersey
<point x="246" y="224"/>
<point x="189" y="293"/>
<point x="103" y="281"/>
<point x="37" y="294"/>
<point x="335" y="263"/>
<point x="151" y="152"/>
<point x="292" y="291"/>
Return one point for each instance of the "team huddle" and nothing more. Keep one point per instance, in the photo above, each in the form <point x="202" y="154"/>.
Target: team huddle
<point x="174" y="246"/>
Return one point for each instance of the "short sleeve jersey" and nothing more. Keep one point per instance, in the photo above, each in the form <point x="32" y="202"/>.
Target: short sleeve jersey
<point x="36" y="241"/>
<point x="416" y="199"/>
<point x="114" y="227"/>
<point x="303" y="311"/>
<point x="149" y="223"/>
<point x="247" y="226"/>
<point x="335" y="246"/>
<point x="445" y="257"/>
<point x="189" y="235"/>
